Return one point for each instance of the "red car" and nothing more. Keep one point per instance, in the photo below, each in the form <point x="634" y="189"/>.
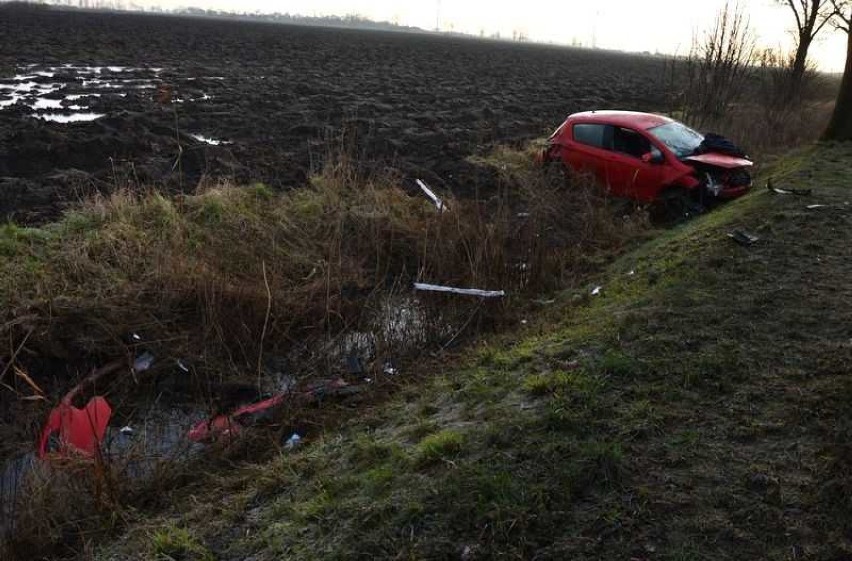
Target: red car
<point x="651" y="158"/>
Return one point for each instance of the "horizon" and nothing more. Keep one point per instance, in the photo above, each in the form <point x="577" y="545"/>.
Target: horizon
<point x="611" y="26"/>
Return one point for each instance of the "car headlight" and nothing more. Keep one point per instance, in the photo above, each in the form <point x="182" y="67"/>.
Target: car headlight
<point x="713" y="186"/>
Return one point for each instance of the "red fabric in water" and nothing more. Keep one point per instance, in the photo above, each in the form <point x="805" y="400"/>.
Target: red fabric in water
<point x="80" y="430"/>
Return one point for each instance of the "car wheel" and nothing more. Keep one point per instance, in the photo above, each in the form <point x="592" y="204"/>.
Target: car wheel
<point x="675" y="205"/>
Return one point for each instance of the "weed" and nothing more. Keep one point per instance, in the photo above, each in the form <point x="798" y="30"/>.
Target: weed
<point x="440" y="446"/>
<point x="172" y="543"/>
<point x="617" y="364"/>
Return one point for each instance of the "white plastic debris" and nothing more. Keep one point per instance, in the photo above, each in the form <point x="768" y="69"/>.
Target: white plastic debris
<point x="811" y="207"/>
<point x="389" y="369"/>
<point x="182" y="366"/>
<point x="439" y="204"/>
<point x="596" y="290"/>
<point x="143" y="362"/>
<point x="293" y="441"/>
<point x="465" y="291"/>
<point x="136" y="337"/>
<point x="127" y="429"/>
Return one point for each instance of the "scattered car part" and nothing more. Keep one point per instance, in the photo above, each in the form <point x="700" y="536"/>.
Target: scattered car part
<point x="439" y="204"/>
<point x="79" y="431"/>
<point x="294" y="440"/>
<point x="800" y="192"/>
<point x="143" y="362"/>
<point x="389" y="368"/>
<point x="743" y="238"/>
<point x="232" y="424"/>
<point x="70" y="430"/>
<point x="464" y="291"/>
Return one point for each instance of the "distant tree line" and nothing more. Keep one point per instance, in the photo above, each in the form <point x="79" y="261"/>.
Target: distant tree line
<point x="350" y="20"/>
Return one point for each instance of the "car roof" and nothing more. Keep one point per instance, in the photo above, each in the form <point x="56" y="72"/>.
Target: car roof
<point x="631" y="119"/>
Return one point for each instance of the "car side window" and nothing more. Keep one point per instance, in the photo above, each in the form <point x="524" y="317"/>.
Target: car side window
<point x="630" y="142"/>
<point x="591" y="135"/>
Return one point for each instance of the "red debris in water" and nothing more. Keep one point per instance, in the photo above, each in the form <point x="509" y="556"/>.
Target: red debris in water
<point x="232" y="423"/>
<point x="79" y="431"/>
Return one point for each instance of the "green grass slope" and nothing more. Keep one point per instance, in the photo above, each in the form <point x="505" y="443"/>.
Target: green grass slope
<point x="697" y="408"/>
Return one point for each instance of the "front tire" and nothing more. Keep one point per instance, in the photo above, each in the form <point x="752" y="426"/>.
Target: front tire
<point x="675" y="205"/>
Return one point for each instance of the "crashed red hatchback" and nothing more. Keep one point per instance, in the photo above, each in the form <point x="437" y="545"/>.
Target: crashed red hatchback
<point x="651" y="158"/>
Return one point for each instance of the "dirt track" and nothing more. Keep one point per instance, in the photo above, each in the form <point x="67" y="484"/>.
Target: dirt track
<point x="276" y="93"/>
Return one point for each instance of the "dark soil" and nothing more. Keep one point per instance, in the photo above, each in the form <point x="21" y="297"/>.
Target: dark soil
<point x="418" y="102"/>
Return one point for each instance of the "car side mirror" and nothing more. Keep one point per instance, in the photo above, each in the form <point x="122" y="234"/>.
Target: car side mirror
<point x="652" y="158"/>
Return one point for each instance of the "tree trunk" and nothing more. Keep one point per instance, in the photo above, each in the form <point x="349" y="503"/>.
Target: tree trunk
<point x="840" y="127"/>
<point x="799" y="63"/>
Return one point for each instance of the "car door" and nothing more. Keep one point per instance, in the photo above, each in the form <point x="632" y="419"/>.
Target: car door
<point x="633" y="166"/>
<point x="588" y="152"/>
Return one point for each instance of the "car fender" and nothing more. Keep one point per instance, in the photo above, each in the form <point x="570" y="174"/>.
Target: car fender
<point x="684" y="179"/>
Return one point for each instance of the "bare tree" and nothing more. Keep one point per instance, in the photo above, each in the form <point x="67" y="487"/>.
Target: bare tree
<point x="811" y="17"/>
<point x="714" y="73"/>
<point x="840" y="126"/>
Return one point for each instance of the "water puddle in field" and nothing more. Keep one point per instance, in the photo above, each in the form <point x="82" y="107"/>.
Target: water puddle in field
<point x="45" y="103"/>
<point x="208" y="140"/>
<point x="13" y="99"/>
<point x="75" y="97"/>
<point x="69" y="118"/>
<point x="33" y="84"/>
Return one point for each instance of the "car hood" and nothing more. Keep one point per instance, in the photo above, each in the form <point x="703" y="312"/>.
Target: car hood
<point x="720" y="160"/>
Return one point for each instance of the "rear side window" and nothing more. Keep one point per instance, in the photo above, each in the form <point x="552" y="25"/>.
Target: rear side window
<point x="591" y="135"/>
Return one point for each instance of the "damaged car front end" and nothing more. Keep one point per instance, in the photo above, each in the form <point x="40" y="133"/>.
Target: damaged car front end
<point x="713" y="166"/>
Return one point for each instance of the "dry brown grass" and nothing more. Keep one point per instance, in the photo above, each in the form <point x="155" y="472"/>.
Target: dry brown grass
<point x="231" y="275"/>
<point x="194" y="266"/>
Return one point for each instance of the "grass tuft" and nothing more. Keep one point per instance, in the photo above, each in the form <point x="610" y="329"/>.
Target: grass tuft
<point x="172" y="543"/>
<point x="444" y="446"/>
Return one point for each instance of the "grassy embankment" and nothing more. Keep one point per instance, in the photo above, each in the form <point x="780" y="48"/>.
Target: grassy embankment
<point x="230" y="277"/>
<point x="698" y="408"/>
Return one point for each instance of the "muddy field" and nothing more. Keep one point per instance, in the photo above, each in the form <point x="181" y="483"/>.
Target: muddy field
<point x="89" y="101"/>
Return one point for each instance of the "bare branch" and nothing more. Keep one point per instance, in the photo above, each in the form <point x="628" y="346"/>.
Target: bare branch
<point x="812" y="16"/>
<point x="842" y="15"/>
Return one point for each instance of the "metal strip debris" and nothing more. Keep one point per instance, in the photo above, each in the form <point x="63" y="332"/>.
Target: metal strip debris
<point x="439" y="204"/>
<point x="464" y="291"/>
<point x="779" y="191"/>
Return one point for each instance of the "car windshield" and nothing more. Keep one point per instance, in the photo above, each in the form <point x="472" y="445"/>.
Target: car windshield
<point x="679" y="138"/>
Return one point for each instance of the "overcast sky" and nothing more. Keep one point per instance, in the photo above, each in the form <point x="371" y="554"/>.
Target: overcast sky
<point x="635" y="25"/>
